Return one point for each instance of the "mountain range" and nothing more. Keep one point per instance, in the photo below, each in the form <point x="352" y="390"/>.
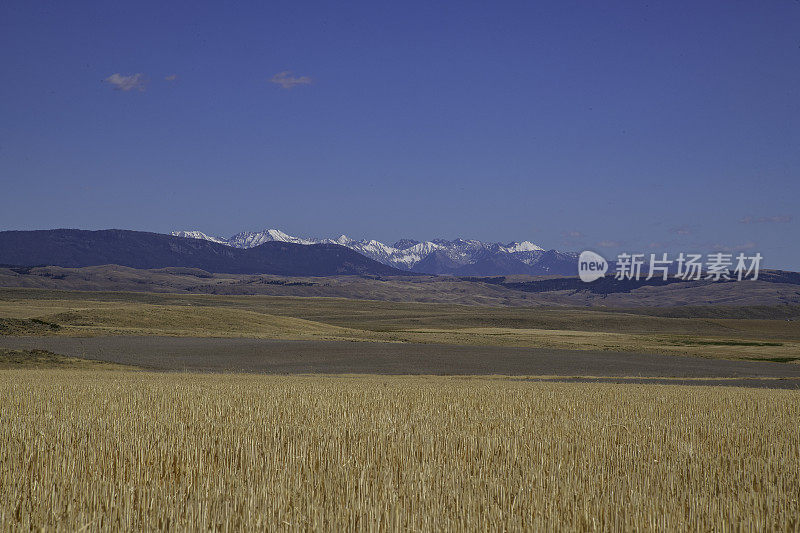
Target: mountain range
<point x="459" y="257"/>
<point x="73" y="248"/>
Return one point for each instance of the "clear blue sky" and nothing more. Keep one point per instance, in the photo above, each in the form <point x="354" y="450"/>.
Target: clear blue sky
<point x="638" y="126"/>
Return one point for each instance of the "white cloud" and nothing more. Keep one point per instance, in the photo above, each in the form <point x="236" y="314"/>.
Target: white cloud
<point x="681" y="230"/>
<point x="171" y="77"/>
<point x="660" y="246"/>
<point x="286" y="80"/>
<point x="127" y="83"/>
<point x="780" y="219"/>
<point x="733" y="248"/>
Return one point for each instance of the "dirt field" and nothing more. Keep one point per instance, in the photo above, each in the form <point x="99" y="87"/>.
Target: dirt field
<point x="319" y="357"/>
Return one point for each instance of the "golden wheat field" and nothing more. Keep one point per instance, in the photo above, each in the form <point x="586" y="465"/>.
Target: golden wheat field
<point x="133" y="450"/>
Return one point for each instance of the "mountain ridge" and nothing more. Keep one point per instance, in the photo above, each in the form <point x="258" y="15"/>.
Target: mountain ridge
<point x="72" y="248"/>
<point x="437" y="256"/>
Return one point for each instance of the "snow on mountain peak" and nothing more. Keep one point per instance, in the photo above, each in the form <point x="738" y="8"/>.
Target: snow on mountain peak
<point x="524" y="246"/>
<point x="423" y="248"/>
<point x="198" y="235"/>
<point x="405" y="255"/>
<point x="278" y="235"/>
<point x="249" y="239"/>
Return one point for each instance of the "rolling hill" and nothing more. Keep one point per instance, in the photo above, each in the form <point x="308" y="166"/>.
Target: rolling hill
<point x="79" y="248"/>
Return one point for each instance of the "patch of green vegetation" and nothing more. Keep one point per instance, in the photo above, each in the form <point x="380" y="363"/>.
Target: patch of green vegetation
<point x="26" y="326"/>
<point x="44" y="323"/>
<point x="727" y="343"/>
<point x="10" y="359"/>
<point x="773" y="359"/>
<point x="790" y="312"/>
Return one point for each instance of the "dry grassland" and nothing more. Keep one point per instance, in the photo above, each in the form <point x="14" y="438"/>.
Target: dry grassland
<point x="14" y="359"/>
<point x="42" y="313"/>
<point x="134" y="450"/>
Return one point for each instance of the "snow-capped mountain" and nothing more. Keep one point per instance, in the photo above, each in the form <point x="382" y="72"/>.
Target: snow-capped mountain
<point x="249" y="239"/>
<point x="439" y="256"/>
<point x="198" y="235"/>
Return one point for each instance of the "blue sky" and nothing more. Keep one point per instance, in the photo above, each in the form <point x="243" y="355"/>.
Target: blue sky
<point x="658" y="126"/>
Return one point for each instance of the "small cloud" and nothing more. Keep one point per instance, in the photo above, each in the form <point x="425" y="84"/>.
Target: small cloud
<point x="660" y="245"/>
<point x="127" y="83"/>
<point x="573" y="238"/>
<point x="171" y="77"/>
<point x="609" y="244"/>
<point x="286" y="80"/>
<point x="681" y="230"/>
<point x="780" y="219"/>
<point x="734" y="248"/>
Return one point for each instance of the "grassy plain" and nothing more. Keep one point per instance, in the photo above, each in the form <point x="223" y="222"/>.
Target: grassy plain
<point x="16" y="359"/>
<point x="773" y="288"/>
<point x="134" y="450"/>
<point x="708" y="334"/>
<point x="85" y="449"/>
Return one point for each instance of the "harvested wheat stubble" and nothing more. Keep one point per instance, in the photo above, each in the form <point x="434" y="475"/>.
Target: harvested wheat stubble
<point x="148" y="451"/>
